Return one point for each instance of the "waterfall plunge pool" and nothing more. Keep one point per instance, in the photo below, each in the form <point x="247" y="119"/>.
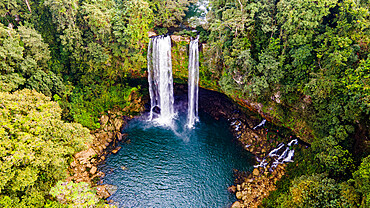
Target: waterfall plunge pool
<point x="181" y="167"/>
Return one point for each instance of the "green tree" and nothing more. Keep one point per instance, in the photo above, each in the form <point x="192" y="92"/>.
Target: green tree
<point x="318" y="191"/>
<point x="361" y="177"/>
<point x="74" y="194"/>
<point x="169" y="13"/>
<point x="35" y="147"/>
<point x="24" y="62"/>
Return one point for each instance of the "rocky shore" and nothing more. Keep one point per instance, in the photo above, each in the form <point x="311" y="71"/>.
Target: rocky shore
<point x="83" y="168"/>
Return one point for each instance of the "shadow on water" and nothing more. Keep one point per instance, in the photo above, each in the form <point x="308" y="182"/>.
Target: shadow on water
<point x="176" y="167"/>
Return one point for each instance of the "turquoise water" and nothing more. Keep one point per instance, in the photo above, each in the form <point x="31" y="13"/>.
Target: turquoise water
<point x="176" y="168"/>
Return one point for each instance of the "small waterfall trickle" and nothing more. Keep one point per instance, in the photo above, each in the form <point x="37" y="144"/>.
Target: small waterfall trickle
<point x="193" y="81"/>
<point x="160" y="79"/>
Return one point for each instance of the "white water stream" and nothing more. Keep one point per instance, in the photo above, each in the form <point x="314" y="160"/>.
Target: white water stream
<point x="160" y="80"/>
<point x="193" y="80"/>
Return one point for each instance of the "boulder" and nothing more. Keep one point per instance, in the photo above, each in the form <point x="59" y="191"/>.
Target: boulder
<point x="100" y="149"/>
<point x="110" y="134"/>
<point x="239" y="195"/>
<point x="101" y="174"/>
<point x="232" y="189"/>
<point x="116" y="150"/>
<point x="110" y="128"/>
<point x="151" y="34"/>
<point x="256" y="172"/>
<point x="245" y="197"/>
<point x="119" y="136"/>
<point x="111" y="189"/>
<point x="178" y="38"/>
<point x="73" y="164"/>
<point x="102" y="192"/>
<point x="117" y="124"/>
<point x="103" y="136"/>
<point x="93" y="170"/>
<point x="104" y="120"/>
<point x="236" y="205"/>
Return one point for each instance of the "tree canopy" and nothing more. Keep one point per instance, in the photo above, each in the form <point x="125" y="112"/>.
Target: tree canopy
<point x="35" y="147"/>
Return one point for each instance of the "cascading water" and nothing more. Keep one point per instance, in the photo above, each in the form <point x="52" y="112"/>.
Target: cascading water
<point x="160" y="79"/>
<point x="279" y="154"/>
<point x="193" y="80"/>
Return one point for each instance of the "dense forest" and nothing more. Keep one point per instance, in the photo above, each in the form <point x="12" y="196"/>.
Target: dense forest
<point x="65" y="62"/>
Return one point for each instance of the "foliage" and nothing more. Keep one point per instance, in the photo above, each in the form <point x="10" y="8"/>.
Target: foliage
<point x="48" y="84"/>
<point x="169" y="13"/>
<point x="101" y="40"/>
<point x="10" y="82"/>
<point x="89" y="102"/>
<point x="74" y="194"/>
<point x="336" y="160"/>
<point x="318" y="191"/>
<point x="24" y="58"/>
<point x="180" y="60"/>
<point x="35" y="147"/>
<point x="306" y="62"/>
<point x="361" y="178"/>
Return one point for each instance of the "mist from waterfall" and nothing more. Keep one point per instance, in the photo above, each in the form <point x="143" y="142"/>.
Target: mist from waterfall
<point x="160" y="80"/>
<point x="193" y="81"/>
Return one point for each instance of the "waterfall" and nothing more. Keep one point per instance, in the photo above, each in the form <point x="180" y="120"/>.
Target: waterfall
<point x="193" y="80"/>
<point x="160" y="79"/>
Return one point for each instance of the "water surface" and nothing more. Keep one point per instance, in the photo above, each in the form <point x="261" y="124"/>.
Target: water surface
<point x="162" y="167"/>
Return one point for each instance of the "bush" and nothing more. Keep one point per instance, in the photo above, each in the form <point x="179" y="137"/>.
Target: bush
<point x="89" y="102"/>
